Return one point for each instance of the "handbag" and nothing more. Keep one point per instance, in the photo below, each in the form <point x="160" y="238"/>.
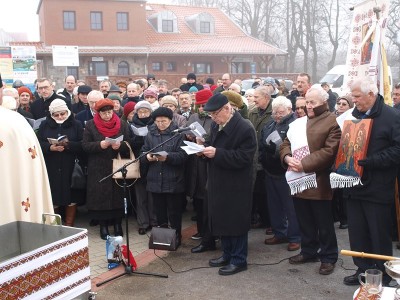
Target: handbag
<point x="78" y="178"/>
<point x="162" y="238"/>
<point x="133" y="170"/>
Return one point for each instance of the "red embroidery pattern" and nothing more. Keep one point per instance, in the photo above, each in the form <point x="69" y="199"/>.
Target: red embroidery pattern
<point x="42" y="253"/>
<point x="26" y="204"/>
<point x="33" y="152"/>
<point x="1" y="144"/>
<point x="46" y="275"/>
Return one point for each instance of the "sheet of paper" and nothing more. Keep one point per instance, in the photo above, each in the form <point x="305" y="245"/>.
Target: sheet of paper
<point x="192" y="148"/>
<point x="140" y="131"/>
<point x="274" y="137"/>
<point x="160" y="153"/>
<point x="116" y="140"/>
<point x="199" y="131"/>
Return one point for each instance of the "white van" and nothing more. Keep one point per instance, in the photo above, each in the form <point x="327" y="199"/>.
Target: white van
<point x="335" y="77"/>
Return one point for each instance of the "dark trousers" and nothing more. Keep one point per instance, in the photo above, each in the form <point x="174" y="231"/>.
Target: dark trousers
<point x="259" y="210"/>
<point x="144" y="205"/>
<point x="339" y="208"/>
<point x="208" y="239"/>
<point x="281" y="209"/>
<point x="198" y="204"/>
<point x="235" y="249"/>
<point x="169" y="207"/>
<point x="370" y="226"/>
<point x="317" y="229"/>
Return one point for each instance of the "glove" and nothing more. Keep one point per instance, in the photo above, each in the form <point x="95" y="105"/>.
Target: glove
<point x="271" y="148"/>
<point x="366" y="163"/>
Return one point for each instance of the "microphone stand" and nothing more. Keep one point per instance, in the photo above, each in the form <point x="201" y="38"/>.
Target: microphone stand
<point x="128" y="267"/>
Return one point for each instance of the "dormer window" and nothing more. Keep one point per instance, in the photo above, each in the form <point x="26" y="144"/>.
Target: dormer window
<point x="165" y="21"/>
<point x="202" y="23"/>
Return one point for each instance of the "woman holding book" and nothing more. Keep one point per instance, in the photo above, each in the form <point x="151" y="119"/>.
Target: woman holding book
<point x="60" y="137"/>
<point x="101" y="142"/>
<point x="165" y="175"/>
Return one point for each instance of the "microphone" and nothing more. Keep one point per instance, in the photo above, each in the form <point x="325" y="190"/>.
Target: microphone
<point x="179" y="130"/>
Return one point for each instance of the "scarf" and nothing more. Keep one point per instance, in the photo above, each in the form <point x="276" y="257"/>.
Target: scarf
<point x="107" y="129"/>
<point x="297" y="135"/>
<point x="338" y="180"/>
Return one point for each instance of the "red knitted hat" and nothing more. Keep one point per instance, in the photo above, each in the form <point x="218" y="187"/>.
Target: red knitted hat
<point x="129" y="107"/>
<point x="24" y="89"/>
<point x="202" y="96"/>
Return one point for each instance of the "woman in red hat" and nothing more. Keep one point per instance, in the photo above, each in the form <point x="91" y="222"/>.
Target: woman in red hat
<point x="104" y="199"/>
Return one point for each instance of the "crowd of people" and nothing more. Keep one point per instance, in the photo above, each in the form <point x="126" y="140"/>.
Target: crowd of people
<point x="268" y="154"/>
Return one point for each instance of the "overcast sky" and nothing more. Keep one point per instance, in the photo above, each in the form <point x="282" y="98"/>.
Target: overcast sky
<point x="20" y="16"/>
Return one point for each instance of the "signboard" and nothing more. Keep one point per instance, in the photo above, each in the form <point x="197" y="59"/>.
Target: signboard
<point x="6" y="65"/>
<point x="65" y="56"/>
<point x="24" y="64"/>
<point x="366" y="55"/>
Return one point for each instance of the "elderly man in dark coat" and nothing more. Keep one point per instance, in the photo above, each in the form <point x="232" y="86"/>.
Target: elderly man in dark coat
<point x="230" y="152"/>
<point x="369" y="205"/>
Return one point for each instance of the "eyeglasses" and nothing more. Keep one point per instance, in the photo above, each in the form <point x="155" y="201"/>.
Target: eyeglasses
<point x="300" y="107"/>
<point x="215" y="113"/>
<point x="342" y="104"/>
<point x="61" y="114"/>
<point x="43" y="87"/>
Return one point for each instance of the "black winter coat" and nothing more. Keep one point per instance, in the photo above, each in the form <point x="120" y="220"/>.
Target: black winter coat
<point x="196" y="167"/>
<point x="269" y="153"/>
<point x="78" y="107"/>
<point x="61" y="164"/>
<point x="168" y="176"/>
<point x="383" y="156"/>
<point x="106" y="195"/>
<point x="186" y="87"/>
<point x="40" y="107"/>
<point x="230" y="177"/>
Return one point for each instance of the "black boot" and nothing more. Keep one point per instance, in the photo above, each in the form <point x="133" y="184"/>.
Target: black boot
<point x="118" y="228"/>
<point x="104" y="230"/>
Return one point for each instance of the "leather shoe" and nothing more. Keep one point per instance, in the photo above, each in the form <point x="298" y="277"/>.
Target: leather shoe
<point x="269" y="231"/>
<point x="232" y="269"/>
<point x="326" y="268"/>
<point x="218" y="262"/>
<point x="351" y="280"/>
<point x="301" y="259"/>
<point x="293" y="246"/>
<point x="275" y="241"/>
<point x="202" y="248"/>
<point x="142" y="231"/>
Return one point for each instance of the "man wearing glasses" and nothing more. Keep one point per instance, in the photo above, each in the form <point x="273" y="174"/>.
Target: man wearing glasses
<point x="40" y="107"/>
<point x="230" y="153"/>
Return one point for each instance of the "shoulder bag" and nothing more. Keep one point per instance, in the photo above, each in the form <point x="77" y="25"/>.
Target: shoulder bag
<point x="78" y="178"/>
<point x="133" y="169"/>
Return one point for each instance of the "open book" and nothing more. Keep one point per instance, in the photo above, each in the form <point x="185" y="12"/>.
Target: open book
<point x="62" y="140"/>
<point x="116" y="140"/>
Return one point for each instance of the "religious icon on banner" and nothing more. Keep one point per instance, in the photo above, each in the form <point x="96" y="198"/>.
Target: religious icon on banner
<point x="353" y="147"/>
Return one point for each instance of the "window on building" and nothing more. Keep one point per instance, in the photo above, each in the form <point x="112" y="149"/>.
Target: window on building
<point x="171" y="66"/>
<point x="157" y="66"/>
<point x="202" y="68"/>
<point x="122" y="21"/>
<point x="98" y="68"/>
<point x="69" y="20"/>
<point x="73" y="71"/>
<point x="123" y="68"/>
<point x="205" y="27"/>
<point x="167" y="26"/>
<point x="96" y="20"/>
<point x="237" y="67"/>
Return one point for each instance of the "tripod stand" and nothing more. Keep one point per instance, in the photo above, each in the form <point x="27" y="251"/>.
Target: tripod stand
<point x="128" y="267"/>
